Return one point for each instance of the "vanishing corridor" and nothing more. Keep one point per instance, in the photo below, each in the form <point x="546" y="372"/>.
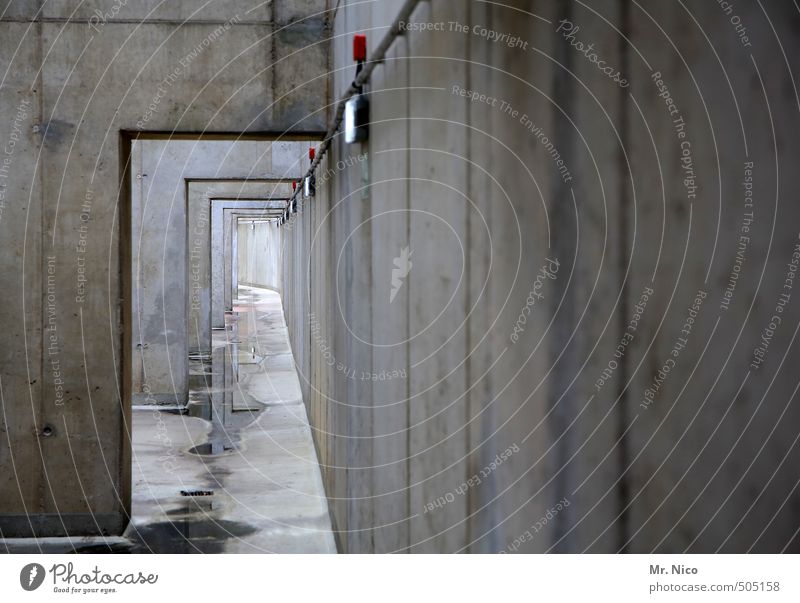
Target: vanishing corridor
<point x="236" y="471"/>
<point x="400" y="276"/>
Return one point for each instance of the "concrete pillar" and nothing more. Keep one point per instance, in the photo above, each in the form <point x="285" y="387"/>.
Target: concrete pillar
<point x="235" y="260"/>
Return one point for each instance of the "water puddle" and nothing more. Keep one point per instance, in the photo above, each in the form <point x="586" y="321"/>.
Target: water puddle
<point x="212" y="448"/>
<point x="217" y="395"/>
<point x="195" y="533"/>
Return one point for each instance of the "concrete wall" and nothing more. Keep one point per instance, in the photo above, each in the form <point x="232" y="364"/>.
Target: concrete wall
<point x="259" y="255"/>
<point x="491" y="348"/>
<point x="71" y="84"/>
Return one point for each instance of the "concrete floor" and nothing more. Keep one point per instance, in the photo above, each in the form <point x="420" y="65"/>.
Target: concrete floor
<point x="235" y="471"/>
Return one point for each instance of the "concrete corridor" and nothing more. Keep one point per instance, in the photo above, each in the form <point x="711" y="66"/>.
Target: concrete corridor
<point x="236" y="471"/>
<point x="504" y="303"/>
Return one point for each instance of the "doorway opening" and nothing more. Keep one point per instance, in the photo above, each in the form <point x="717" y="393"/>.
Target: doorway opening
<point x="209" y="373"/>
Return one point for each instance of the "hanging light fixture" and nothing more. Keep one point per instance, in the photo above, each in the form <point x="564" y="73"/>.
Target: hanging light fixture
<point x="310" y="183"/>
<point x="356" y="109"/>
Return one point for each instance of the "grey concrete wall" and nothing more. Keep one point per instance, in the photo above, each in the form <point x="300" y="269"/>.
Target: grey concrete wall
<point x="259" y="255"/>
<point x="70" y="84"/>
<point x="492" y="355"/>
<point x="720" y="469"/>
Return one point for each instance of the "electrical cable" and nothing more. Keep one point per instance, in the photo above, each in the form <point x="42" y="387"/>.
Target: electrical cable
<point x="378" y="56"/>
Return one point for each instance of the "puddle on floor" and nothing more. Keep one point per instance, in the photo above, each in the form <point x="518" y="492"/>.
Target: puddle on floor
<point x="197" y="533"/>
<point x="212" y="448"/>
<point x="190" y="520"/>
<point x="217" y="393"/>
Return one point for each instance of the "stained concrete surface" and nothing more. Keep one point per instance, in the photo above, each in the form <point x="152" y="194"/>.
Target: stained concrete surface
<point x="255" y="486"/>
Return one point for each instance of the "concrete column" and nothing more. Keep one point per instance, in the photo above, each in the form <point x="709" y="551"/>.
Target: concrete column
<point x="235" y="260"/>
